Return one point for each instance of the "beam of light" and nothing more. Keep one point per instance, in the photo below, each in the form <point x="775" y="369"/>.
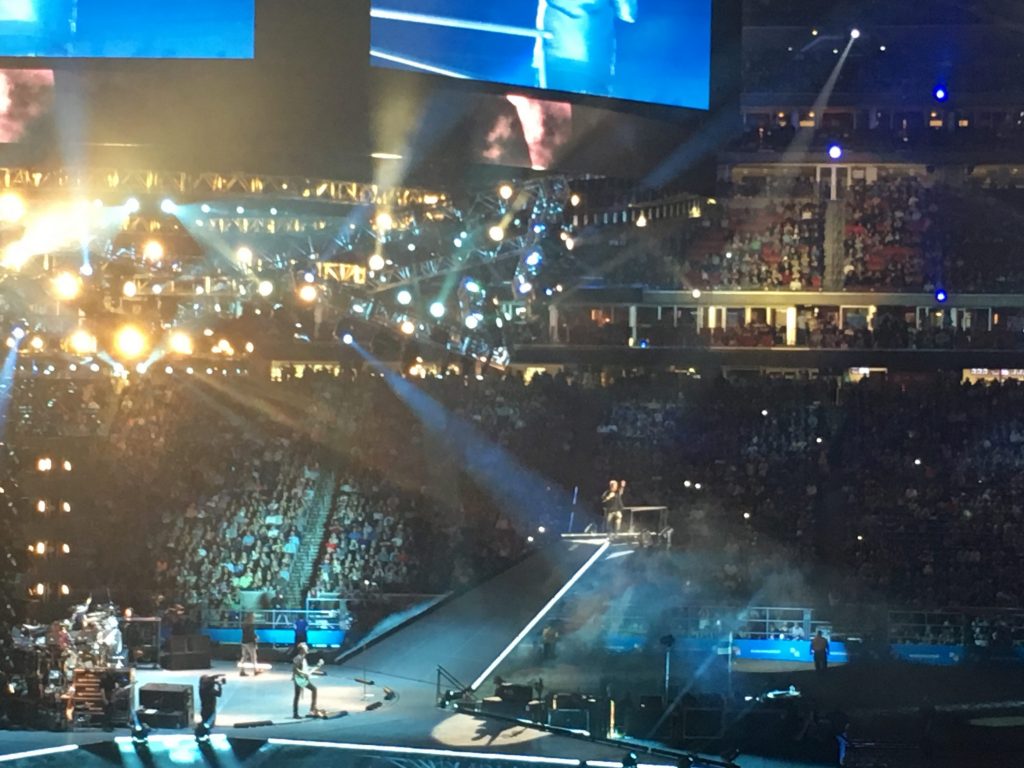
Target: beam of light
<point x="422" y="66"/>
<point x="434" y="752"/>
<point x="450" y="23"/>
<point x="540" y="615"/>
<point x="7" y="374"/>
<point x="38" y="753"/>
<point x="802" y="141"/>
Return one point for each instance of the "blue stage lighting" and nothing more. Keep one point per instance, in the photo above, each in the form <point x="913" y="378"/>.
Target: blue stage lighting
<point x="940" y="93"/>
<point x="835" y="152"/>
<point x="941" y="296"/>
<point x="534" y="259"/>
<point x="169" y="207"/>
<point x="347" y="339"/>
<point x="404" y="298"/>
<point x="473" y="286"/>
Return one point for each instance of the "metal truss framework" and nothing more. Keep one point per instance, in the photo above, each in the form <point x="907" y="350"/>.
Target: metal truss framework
<point x="96" y="181"/>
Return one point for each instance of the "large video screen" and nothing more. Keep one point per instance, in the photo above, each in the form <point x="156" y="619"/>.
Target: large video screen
<point x="656" y="51"/>
<point x="153" y="29"/>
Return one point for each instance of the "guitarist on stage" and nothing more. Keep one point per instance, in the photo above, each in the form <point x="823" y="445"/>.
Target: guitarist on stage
<point x="301" y="678"/>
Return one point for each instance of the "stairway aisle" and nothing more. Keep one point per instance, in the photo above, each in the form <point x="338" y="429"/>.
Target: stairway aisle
<point x="835" y="230"/>
<point x="311" y="532"/>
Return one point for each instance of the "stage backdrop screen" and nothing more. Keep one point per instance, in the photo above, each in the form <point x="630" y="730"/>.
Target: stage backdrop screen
<point x="656" y="51"/>
<point x="153" y="29"/>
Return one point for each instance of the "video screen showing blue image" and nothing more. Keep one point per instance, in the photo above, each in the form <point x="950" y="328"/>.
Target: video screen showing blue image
<point x="151" y="29"/>
<point x="656" y="51"/>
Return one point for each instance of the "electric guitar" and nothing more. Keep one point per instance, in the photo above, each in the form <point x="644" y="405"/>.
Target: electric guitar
<point x="301" y="678"/>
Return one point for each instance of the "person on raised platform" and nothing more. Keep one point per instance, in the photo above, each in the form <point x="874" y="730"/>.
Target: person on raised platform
<point x="611" y="504"/>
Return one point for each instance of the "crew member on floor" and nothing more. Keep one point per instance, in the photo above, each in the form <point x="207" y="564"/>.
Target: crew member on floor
<point x="611" y="504"/>
<point x="819" y="647"/>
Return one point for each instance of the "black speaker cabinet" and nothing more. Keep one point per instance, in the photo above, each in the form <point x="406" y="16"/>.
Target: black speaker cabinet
<point x="173" y="701"/>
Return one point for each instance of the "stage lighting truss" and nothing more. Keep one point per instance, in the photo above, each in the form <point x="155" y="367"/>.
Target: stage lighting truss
<point x="540" y="205"/>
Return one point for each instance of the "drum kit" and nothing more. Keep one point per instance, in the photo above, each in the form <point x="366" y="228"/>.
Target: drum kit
<point x="90" y="639"/>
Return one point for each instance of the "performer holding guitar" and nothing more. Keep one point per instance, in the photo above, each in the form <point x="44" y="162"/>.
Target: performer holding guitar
<point x="301" y="674"/>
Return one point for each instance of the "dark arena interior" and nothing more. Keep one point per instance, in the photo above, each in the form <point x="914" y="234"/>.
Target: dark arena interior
<point x="561" y="383"/>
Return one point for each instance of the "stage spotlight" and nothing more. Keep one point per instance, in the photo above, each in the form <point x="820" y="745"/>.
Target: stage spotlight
<point x="695" y="293"/>
<point x="940" y="93"/>
<point x="347" y="339"/>
<point x="265" y="288"/>
<point x="437" y="310"/>
<point x="641" y="221"/>
<point x="855" y="33"/>
<point x="457" y="242"/>
<point x="81" y="342"/>
<point x="180" y="343"/>
<point x="505" y="191"/>
<point x="12" y="207"/>
<point x="37" y="343"/>
<point x="408" y="327"/>
<point x="245" y="256"/>
<point x="525" y="288"/>
<point x="129" y="289"/>
<point x="404" y="298"/>
<point x="941" y="296"/>
<point x="130" y="343"/>
<point x="574" y="200"/>
<point x="67" y="286"/>
<point x="377" y="263"/>
<point x="240" y="210"/>
<point x="569" y="243"/>
<point x="205" y="208"/>
<point x="835" y="152"/>
<point x="153" y="250"/>
<point x="132" y="205"/>
<point x="473" y="286"/>
<point x="472" y="322"/>
<point x="496" y="233"/>
<point x="168" y="206"/>
<point x="411" y="247"/>
<point x="384" y="222"/>
<point x="534" y="259"/>
<point x="308" y="293"/>
<point x="18" y="333"/>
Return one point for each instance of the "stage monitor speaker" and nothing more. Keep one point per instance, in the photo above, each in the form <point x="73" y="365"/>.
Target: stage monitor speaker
<point x="165" y="720"/>
<point x="188" y="644"/>
<point x="166" y="698"/>
<point x="572" y="719"/>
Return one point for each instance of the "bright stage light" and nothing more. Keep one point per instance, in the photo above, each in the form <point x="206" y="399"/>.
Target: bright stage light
<point x="180" y="343"/>
<point x="472" y="322"/>
<point x="534" y="259"/>
<point x="941" y="296"/>
<point x="437" y="310"/>
<point x="505" y="191"/>
<point x="411" y="247"/>
<point x="574" y="200"/>
<point x="457" y="242"/>
<point x="240" y="210"/>
<point x="132" y="205"/>
<point x="265" y="288"/>
<point x="153" y="251"/>
<point x="81" y="342"/>
<point x="18" y="333"/>
<point x="525" y="288"/>
<point x="473" y="286"/>
<point x="408" y="327"/>
<point x="695" y="293"/>
<point x="835" y="152"/>
<point x="37" y="343"/>
<point x="44" y="465"/>
<point x="130" y="343"/>
<point x="347" y="339"/>
<point x="384" y="222"/>
<point x="244" y="256"/>
<point x="67" y="286"/>
<point x="641" y="221"/>
<point x="496" y="233"/>
<point x="129" y="289"/>
<point x="940" y="93"/>
<point x="404" y="298"/>
<point x="855" y="33"/>
<point x="168" y="206"/>
<point x="12" y="207"/>
<point x="569" y="243"/>
<point x="377" y="263"/>
<point x="205" y="208"/>
<point x="308" y="293"/>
